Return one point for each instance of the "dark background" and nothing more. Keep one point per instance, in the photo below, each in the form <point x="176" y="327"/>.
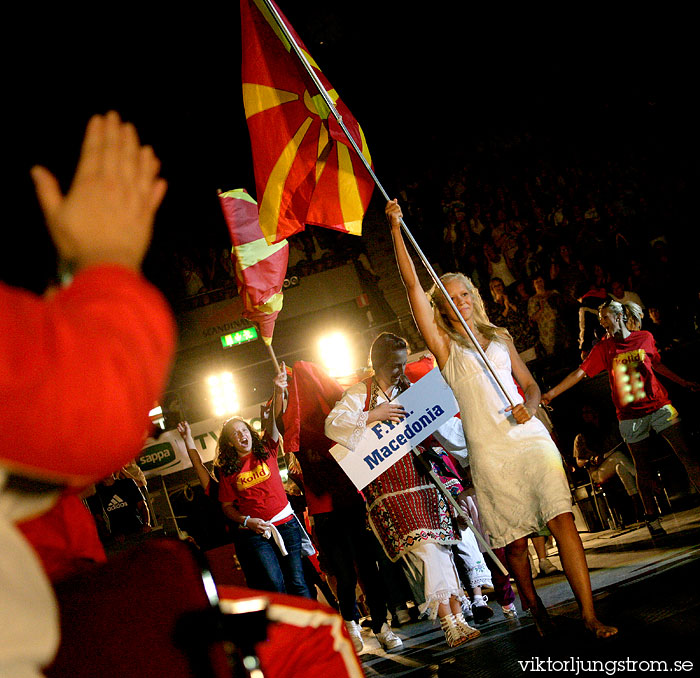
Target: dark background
<point x="428" y="82"/>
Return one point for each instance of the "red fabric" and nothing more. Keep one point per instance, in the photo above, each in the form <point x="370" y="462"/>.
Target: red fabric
<point x="318" y="503"/>
<point x="629" y="362"/>
<point x="64" y="538"/>
<point x="301" y="644"/>
<point x="259" y="274"/>
<point x="305" y="170"/>
<point x="312" y="395"/>
<point x="121" y="618"/>
<point x="79" y="372"/>
<point x="419" y="368"/>
<point x="257" y="489"/>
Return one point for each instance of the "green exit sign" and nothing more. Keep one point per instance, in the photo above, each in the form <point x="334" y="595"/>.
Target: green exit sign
<point x="240" y="337"/>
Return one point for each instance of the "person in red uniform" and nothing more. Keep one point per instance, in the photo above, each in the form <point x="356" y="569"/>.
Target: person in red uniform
<point x="90" y="357"/>
<point x="641" y="401"/>
<point x="252" y="494"/>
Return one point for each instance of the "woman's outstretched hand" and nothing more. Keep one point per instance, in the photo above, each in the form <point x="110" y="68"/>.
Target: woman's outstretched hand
<point x="183" y="428"/>
<point x="393" y="213"/>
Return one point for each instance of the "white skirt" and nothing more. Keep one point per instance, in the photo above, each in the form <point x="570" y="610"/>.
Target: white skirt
<point x="433" y="564"/>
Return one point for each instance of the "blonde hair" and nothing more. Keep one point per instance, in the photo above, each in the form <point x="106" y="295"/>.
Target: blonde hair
<point x="629" y="310"/>
<point x="635" y="313"/>
<point x="481" y="319"/>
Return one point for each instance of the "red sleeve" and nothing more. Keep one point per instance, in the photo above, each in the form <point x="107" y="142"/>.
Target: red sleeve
<point x="272" y="446"/>
<point x="595" y="361"/>
<point x="79" y="372"/>
<point x="650" y="348"/>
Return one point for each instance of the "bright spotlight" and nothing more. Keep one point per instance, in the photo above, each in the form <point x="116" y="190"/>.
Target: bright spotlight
<point x="336" y="355"/>
<point x="223" y="394"/>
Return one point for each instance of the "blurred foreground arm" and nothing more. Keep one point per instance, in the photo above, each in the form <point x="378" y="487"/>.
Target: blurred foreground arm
<point x="80" y="370"/>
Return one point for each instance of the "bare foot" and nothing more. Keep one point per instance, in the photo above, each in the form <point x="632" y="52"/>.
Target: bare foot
<point x="600" y="630"/>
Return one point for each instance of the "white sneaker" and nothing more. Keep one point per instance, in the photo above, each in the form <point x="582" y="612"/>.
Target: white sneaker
<point x="509" y="611"/>
<point x="467" y="608"/>
<point x="355" y="635"/>
<point x="387" y="638"/>
<point x="480" y="610"/>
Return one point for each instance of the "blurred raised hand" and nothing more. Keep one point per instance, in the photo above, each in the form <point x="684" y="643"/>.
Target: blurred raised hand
<point x="107" y="215"/>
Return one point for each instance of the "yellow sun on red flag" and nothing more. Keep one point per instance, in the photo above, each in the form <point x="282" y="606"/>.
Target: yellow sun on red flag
<point x="306" y="171"/>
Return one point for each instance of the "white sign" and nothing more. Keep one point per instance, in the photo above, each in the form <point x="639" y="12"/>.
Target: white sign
<point x="429" y="403"/>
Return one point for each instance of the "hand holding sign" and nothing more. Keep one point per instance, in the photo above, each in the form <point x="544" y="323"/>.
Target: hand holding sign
<point x="424" y="407"/>
<point x="388" y="411"/>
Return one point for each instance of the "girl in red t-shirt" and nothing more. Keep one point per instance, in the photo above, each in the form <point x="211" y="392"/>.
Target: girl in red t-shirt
<point x="252" y="494"/>
<point x="641" y="401"/>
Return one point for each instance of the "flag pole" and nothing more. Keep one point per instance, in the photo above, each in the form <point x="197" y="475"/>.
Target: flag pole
<point x="273" y="357"/>
<point x="436" y="279"/>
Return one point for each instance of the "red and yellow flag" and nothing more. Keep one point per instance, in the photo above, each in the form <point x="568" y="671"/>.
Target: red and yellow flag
<point x="306" y="171"/>
<point x="260" y="268"/>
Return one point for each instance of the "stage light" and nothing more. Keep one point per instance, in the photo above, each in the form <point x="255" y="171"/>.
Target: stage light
<point x="223" y="394"/>
<point x="336" y="354"/>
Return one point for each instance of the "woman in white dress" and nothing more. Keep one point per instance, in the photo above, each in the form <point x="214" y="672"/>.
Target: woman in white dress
<point x="517" y="470"/>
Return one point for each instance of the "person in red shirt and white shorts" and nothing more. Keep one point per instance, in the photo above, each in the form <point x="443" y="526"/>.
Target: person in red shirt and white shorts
<point x="642" y="403"/>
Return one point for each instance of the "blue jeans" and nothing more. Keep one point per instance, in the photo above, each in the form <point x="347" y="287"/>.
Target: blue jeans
<point x="265" y="567"/>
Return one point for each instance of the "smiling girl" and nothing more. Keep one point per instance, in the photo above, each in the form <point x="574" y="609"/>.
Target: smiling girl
<point x="519" y="478"/>
<point x="252" y="494"/>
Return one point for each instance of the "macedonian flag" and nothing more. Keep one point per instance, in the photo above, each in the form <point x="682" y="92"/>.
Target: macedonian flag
<point x="260" y="268"/>
<point x="306" y="171"/>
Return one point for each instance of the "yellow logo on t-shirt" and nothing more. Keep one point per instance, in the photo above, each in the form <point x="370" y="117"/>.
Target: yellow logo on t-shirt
<point x="248" y="479"/>
<point x="630" y="357"/>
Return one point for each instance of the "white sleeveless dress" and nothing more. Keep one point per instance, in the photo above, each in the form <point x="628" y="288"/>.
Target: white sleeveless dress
<point x="518" y="472"/>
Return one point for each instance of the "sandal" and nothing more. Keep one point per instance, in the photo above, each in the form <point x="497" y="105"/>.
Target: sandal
<point x="469" y="631"/>
<point x="453" y="634"/>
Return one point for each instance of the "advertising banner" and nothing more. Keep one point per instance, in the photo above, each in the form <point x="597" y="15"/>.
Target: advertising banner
<point x="167" y="453"/>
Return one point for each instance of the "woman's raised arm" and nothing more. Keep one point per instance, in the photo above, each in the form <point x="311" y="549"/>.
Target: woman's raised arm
<point x="435" y="338"/>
